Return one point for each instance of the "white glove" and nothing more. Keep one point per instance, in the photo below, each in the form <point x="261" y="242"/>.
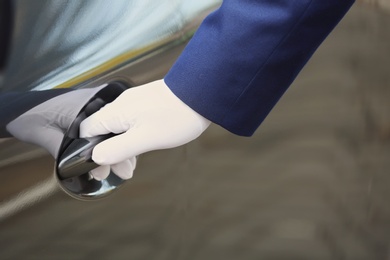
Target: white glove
<point x="46" y="123"/>
<point x="148" y="117"/>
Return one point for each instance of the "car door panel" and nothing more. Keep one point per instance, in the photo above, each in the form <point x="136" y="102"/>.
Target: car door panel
<point x="312" y="183"/>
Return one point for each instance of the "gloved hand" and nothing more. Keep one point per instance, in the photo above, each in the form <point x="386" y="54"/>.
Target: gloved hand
<point x="46" y="123"/>
<point x="148" y="117"/>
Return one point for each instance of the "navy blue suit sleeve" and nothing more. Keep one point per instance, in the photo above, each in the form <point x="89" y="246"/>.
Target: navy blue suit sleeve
<point x="246" y="54"/>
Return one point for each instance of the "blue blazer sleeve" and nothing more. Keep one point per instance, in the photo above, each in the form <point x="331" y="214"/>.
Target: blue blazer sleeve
<point x="246" y="54"/>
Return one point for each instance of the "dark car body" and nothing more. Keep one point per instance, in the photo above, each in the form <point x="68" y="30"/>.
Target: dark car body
<point x="312" y="183"/>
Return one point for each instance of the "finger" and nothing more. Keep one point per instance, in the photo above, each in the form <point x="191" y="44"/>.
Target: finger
<point x="101" y="172"/>
<point x="121" y="147"/>
<point x="124" y="169"/>
<point x="153" y="135"/>
<point x="106" y="120"/>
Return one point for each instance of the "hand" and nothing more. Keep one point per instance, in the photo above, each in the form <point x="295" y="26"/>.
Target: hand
<point x="148" y="117"/>
<point x="46" y="123"/>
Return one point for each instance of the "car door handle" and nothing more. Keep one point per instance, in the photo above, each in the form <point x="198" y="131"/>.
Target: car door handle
<point x="77" y="157"/>
<point x="74" y="159"/>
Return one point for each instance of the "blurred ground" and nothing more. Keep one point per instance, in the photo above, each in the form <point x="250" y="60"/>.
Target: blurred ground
<point x="381" y="4"/>
<point x="313" y="183"/>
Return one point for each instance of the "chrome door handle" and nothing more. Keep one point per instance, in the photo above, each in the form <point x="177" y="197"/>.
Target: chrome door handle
<point x="77" y="157"/>
<point x="74" y="160"/>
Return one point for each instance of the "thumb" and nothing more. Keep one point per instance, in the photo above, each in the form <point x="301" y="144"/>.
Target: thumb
<point x="38" y="133"/>
<point x="50" y="139"/>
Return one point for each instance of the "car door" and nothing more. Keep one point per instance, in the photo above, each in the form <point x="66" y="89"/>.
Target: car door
<point x="312" y="183"/>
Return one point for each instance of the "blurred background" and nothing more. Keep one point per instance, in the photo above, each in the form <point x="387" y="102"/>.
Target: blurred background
<point x="312" y="183"/>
